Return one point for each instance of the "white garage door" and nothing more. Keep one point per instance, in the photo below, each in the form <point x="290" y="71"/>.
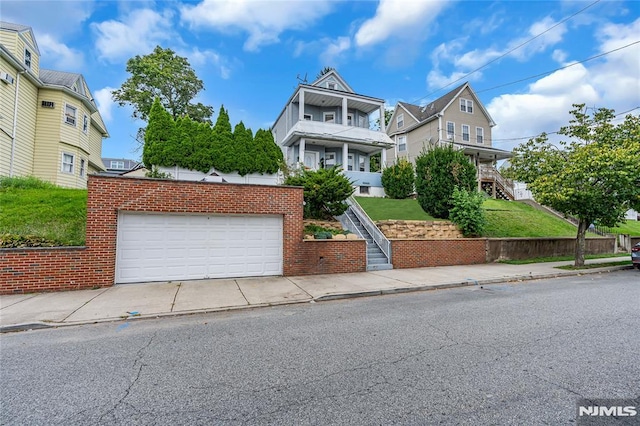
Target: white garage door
<point x="169" y="247"/>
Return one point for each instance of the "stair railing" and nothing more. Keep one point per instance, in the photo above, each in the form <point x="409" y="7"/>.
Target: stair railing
<point x="377" y="235"/>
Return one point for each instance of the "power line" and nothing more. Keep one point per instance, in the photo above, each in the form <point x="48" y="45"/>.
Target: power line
<point x="509" y="51"/>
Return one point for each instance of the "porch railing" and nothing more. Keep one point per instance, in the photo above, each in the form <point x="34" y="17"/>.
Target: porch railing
<point x="490" y="173"/>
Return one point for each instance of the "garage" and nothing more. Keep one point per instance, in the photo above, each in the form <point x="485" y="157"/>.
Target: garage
<point x="170" y="247"/>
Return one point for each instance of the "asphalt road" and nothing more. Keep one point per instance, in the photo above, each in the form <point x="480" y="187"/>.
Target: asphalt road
<point x="520" y="353"/>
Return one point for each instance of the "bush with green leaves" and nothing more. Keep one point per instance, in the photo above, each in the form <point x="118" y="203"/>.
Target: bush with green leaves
<point x="325" y="191"/>
<point x="467" y="212"/>
<point x="398" y="180"/>
<point x="438" y="171"/>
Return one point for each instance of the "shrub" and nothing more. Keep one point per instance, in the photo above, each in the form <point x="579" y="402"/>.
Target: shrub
<point x="467" y="212"/>
<point x="398" y="180"/>
<point x="324" y="191"/>
<point x="438" y="171"/>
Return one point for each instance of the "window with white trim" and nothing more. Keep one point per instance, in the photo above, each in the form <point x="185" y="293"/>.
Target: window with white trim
<point x="402" y="143"/>
<point x="27" y="58"/>
<point x="117" y="164"/>
<point x="466" y="105"/>
<point x="331" y="85"/>
<point x="308" y="117"/>
<point x="350" y="162"/>
<point x="349" y="119"/>
<point x="67" y="162"/>
<point x="400" y="121"/>
<point x="85" y="123"/>
<point x="451" y="130"/>
<point x="82" y="167"/>
<point x="361" y="163"/>
<point x="329" y="117"/>
<point x="70" y="113"/>
<point x="465" y="133"/>
<point x="479" y="135"/>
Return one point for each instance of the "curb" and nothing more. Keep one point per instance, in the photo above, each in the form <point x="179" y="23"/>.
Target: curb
<point x="328" y="297"/>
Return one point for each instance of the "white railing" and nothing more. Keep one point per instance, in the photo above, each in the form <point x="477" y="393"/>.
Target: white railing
<point x="377" y="235"/>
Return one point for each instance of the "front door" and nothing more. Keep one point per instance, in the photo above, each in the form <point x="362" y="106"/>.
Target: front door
<point x="311" y="160"/>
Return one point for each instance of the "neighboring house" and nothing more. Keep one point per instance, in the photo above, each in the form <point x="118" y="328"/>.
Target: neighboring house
<point x="118" y="166"/>
<point x="50" y="126"/>
<point x="326" y="124"/>
<point x="457" y="118"/>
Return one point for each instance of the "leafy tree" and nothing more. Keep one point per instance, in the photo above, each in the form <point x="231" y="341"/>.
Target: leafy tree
<point x="467" y="212"/>
<point x="594" y="176"/>
<point x="388" y="113"/>
<point x="164" y="75"/>
<point x="438" y="171"/>
<point x="324" y="191"/>
<point x="398" y="180"/>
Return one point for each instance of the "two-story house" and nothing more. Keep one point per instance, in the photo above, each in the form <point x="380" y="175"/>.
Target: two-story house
<point x="457" y="118"/>
<point x="50" y="126"/>
<point x="326" y="124"/>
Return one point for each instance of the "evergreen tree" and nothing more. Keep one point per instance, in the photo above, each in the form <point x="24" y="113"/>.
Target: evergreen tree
<point x="243" y="140"/>
<point x="158" y="135"/>
<point x="224" y="147"/>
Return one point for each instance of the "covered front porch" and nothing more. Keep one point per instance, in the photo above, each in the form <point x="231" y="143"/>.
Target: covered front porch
<point x="488" y="177"/>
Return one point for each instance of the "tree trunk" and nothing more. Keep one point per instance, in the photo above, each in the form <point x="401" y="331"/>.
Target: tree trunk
<point x="583" y="224"/>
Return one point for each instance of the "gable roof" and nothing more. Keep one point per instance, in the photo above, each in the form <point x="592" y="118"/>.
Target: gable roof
<point x="18" y="28"/>
<point x="336" y="76"/>
<point x="425" y="113"/>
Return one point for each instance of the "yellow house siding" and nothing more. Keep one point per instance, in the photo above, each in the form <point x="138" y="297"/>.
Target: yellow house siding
<point x="25" y="128"/>
<point x="10" y="40"/>
<point x="95" y="146"/>
<point x="7" y="102"/>
<point x="72" y="180"/>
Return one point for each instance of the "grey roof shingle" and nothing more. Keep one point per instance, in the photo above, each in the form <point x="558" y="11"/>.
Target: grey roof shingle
<point x="424" y="112"/>
<point x="13" y="27"/>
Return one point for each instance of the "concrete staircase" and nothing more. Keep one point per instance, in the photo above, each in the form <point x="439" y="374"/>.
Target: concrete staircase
<point x="376" y="259"/>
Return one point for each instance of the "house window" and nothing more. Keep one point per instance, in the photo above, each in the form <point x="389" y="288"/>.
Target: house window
<point x="85" y="123"/>
<point x="400" y="121"/>
<point x="466" y="106"/>
<point x="330" y="159"/>
<point x="350" y="162"/>
<point x="479" y="135"/>
<point x="364" y="190"/>
<point x="465" y="133"/>
<point x="402" y="143"/>
<point x="331" y="85"/>
<point x="117" y="164"/>
<point x="349" y="119"/>
<point x="27" y="58"/>
<point x="67" y="162"/>
<point x="361" y="163"/>
<point x="450" y="130"/>
<point x="308" y="117"/>
<point x="329" y="117"/>
<point x="70" y="115"/>
<point x="82" y="167"/>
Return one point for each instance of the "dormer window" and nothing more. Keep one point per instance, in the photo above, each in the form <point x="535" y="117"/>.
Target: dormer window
<point x="331" y="85"/>
<point x="117" y="164"/>
<point x="27" y="58"/>
<point x="466" y="106"/>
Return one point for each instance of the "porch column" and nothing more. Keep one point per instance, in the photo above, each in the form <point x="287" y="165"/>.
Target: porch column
<point x="301" y="147"/>
<point x="383" y="126"/>
<point x="383" y="158"/>
<point x="301" y="106"/>
<point x="478" y="177"/>
<point x="345" y="157"/>
<point x="344" y="112"/>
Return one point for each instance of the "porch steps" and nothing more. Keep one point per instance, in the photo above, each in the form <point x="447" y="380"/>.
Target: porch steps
<point x="376" y="259"/>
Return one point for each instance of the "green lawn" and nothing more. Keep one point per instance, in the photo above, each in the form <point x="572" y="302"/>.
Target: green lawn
<point x="31" y="208"/>
<point x="387" y="208"/>
<point x="630" y="227"/>
<point x="505" y="218"/>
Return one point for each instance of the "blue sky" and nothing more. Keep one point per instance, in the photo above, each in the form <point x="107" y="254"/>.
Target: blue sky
<point x="250" y="53"/>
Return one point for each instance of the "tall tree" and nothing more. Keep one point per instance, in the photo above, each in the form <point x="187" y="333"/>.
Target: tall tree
<point x="159" y="134"/>
<point x="164" y="75"/>
<point x="594" y="176"/>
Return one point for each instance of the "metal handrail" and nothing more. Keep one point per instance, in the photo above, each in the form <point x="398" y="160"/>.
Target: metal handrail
<point x="351" y="226"/>
<point x="377" y="235"/>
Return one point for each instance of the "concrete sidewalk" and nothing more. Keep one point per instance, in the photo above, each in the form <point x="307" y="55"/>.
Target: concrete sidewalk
<point x="128" y="301"/>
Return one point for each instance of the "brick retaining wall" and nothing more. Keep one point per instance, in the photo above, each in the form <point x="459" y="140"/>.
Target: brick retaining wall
<point x="423" y="253"/>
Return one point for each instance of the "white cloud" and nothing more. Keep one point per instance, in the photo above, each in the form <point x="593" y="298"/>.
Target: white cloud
<point x="263" y="20"/>
<point x="397" y="18"/>
<point x="59" y="55"/>
<point x="200" y="58"/>
<point x="334" y="49"/>
<point x="52" y="17"/>
<point x="138" y="33"/>
<point x="105" y="102"/>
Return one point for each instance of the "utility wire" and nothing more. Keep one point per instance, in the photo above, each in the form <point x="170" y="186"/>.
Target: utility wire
<point x="509" y="51"/>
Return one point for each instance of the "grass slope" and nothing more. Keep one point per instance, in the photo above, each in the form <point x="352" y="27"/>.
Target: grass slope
<point x="388" y="208"/>
<point x="30" y="207"/>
